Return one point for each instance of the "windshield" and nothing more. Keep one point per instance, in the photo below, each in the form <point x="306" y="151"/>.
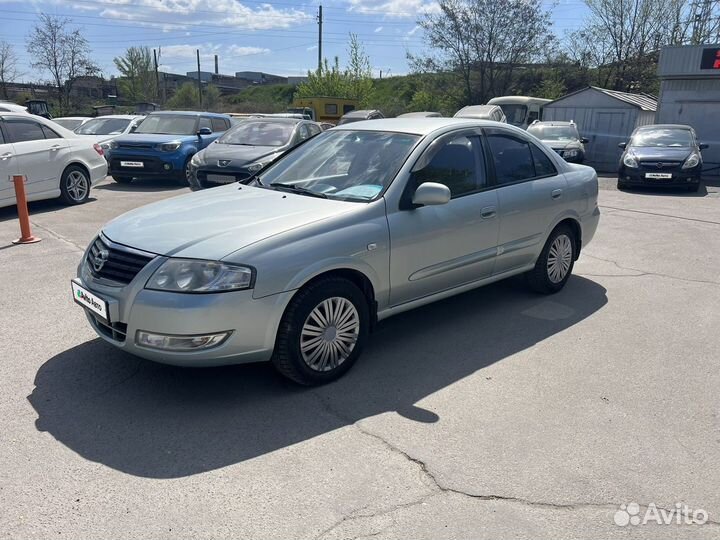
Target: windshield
<point x="516" y="114"/>
<point x="554" y="133"/>
<point x="168" y="124"/>
<point x="662" y="138"/>
<point x="259" y="134"/>
<point x="103" y="126"/>
<point x="68" y="123"/>
<point x="342" y="164"/>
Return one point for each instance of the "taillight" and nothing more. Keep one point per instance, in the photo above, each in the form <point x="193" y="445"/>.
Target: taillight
<point x="99" y="149"/>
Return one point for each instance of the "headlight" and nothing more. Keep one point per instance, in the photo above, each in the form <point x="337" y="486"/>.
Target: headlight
<point x="570" y="153"/>
<point x="692" y="161"/>
<point x="255" y="167"/>
<point x="112" y="145"/>
<point x="196" y="160"/>
<point x="106" y="145"/>
<point x="170" y="146"/>
<point x="195" y="276"/>
<point x="630" y="161"/>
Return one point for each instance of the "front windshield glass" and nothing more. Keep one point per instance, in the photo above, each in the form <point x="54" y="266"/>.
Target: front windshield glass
<point x="662" y="138"/>
<point x="516" y="114"/>
<point x="346" y="165"/>
<point x="251" y="133"/>
<point x="103" y="126"/>
<point x="68" y="123"/>
<point x="168" y="124"/>
<point x="554" y="133"/>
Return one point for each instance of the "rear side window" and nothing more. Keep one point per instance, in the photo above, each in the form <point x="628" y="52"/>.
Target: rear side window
<point x="205" y="123"/>
<point x="543" y="165"/>
<point x="2" y="139"/>
<point x="303" y="133"/>
<point x="512" y="157"/>
<point x="49" y="133"/>
<point x="218" y="124"/>
<point x="23" y="130"/>
<point x="314" y="129"/>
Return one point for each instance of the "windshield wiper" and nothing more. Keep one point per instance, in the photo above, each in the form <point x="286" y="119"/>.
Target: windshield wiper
<point x="298" y="189"/>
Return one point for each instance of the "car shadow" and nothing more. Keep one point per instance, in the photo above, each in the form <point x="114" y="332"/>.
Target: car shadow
<point x="669" y="191"/>
<point x="145" y="185"/>
<point x="158" y="421"/>
<point x="39" y="207"/>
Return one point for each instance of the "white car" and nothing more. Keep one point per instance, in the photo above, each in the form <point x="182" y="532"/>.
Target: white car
<point x="482" y="112"/>
<point x="104" y="129"/>
<point x="8" y="106"/>
<point x="71" y="122"/>
<point x="55" y="162"/>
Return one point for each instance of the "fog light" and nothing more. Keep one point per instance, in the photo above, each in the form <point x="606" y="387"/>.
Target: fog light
<point x="167" y="166"/>
<point x="180" y="343"/>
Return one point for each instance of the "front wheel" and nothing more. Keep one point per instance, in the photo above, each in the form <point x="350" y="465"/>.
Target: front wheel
<point x="322" y="332"/>
<point x="75" y="185"/>
<point x="184" y="180"/>
<point x="555" y="263"/>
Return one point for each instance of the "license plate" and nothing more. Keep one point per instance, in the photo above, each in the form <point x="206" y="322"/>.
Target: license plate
<point x="136" y="164"/>
<point x="658" y="175"/>
<point x="221" y="178"/>
<point x="90" y="301"/>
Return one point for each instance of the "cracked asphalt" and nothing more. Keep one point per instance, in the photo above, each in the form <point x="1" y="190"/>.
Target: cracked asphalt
<point x="494" y="414"/>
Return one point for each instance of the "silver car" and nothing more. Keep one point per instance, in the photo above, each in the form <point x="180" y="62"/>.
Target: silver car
<point x="297" y="264"/>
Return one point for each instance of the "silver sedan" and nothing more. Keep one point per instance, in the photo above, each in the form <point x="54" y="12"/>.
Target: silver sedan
<point x="297" y="264"/>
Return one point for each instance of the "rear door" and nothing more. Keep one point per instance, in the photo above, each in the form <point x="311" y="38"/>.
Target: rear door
<point x="41" y="154"/>
<point x="8" y="168"/>
<point x="530" y="196"/>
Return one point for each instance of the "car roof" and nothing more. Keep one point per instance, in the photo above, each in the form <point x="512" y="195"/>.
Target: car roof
<point x="417" y="126"/>
<point x="121" y="116"/>
<point x="73" y="118"/>
<point x="665" y="126"/>
<point x="360" y="112"/>
<point x="189" y="113"/>
<point x="13" y="107"/>
<point x="420" y="114"/>
<point x="274" y="120"/>
<point x="553" y="123"/>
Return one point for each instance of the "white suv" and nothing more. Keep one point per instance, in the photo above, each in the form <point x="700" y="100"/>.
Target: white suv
<point x="55" y="162"/>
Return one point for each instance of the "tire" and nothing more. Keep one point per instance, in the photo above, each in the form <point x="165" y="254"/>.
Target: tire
<point x="542" y="278"/>
<point x="123" y="179"/>
<point x="194" y="183"/>
<point x="622" y="186"/>
<point x="308" y="364"/>
<point x="184" y="179"/>
<point x="75" y="185"/>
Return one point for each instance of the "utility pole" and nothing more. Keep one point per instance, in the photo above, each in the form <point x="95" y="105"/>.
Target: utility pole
<point x="199" y="80"/>
<point x="320" y="21"/>
<point x="157" y="76"/>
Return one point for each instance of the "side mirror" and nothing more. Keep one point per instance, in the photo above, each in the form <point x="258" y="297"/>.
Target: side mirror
<point x="622" y="145"/>
<point x="584" y="140"/>
<point x="204" y="131"/>
<point x="703" y="146"/>
<point x="430" y="194"/>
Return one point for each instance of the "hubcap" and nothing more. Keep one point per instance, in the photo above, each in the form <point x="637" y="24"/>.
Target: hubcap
<point x="77" y="185"/>
<point x="559" y="258"/>
<point x="329" y="334"/>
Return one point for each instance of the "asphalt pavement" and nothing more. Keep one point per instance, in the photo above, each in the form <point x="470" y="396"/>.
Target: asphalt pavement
<point x="495" y="414"/>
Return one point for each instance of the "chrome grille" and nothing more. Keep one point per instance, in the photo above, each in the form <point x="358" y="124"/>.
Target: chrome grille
<point x="115" y="263"/>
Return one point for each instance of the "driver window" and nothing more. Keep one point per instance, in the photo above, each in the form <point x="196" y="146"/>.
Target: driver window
<point x="456" y="164"/>
<point x="205" y="122"/>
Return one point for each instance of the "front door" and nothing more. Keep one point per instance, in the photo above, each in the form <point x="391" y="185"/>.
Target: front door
<point x="435" y="248"/>
<point x="8" y="168"/>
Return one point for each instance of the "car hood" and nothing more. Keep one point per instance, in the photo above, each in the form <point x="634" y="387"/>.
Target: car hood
<point x="649" y="153"/>
<point x="562" y="144"/>
<point x="237" y="154"/>
<point x="213" y="223"/>
<point x="153" y="138"/>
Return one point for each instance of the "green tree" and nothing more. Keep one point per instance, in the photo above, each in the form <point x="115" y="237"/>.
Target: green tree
<point x="210" y="97"/>
<point x="137" y="70"/>
<point x="186" y="97"/>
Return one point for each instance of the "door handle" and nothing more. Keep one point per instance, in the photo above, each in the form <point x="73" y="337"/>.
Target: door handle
<point x="556" y="194"/>
<point x="55" y="147"/>
<point x="488" y="212"/>
<point x="5" y="156"/>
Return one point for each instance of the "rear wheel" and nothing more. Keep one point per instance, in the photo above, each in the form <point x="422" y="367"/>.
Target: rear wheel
<point x="322" y="332"/>
<point x="75" y="185"/>
<point x="555" y="263"/>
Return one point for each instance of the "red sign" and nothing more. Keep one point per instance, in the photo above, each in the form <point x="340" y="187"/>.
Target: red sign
<point x="710" y="59"/>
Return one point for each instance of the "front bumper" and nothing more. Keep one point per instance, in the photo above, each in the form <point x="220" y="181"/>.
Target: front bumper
<point x="154" y="166"/>
<point x="680" y="177"/>
<point x="253" y="321"/>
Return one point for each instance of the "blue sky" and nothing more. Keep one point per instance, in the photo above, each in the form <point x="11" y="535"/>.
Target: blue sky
<point x="275" y="37"/>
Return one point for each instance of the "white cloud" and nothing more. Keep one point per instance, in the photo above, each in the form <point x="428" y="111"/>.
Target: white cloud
<point x="378" y="29"/>
<point x="394" y="9"/>
<point x="235" y="50"/>
<point x="312" y="48"/>
<point x="413" y="31"/>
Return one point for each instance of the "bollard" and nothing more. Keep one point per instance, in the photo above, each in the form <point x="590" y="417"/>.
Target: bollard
<point x="26" y="236"/>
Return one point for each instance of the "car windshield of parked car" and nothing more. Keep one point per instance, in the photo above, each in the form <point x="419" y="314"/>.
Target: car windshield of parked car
<point x="553" y="133"/>
<point x="168" y="124"/>
<point x="662" y="138"/>
<point x="251" y="133"/>
<point x="515" y="114"/>
<point x="343" y="164"/>
<point x="103" y="126"/>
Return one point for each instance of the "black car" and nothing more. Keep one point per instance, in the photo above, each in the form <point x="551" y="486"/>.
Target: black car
<point x="661" y="155"/>
<point x="246" y="148"/>
<point x="562" y="137"/>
